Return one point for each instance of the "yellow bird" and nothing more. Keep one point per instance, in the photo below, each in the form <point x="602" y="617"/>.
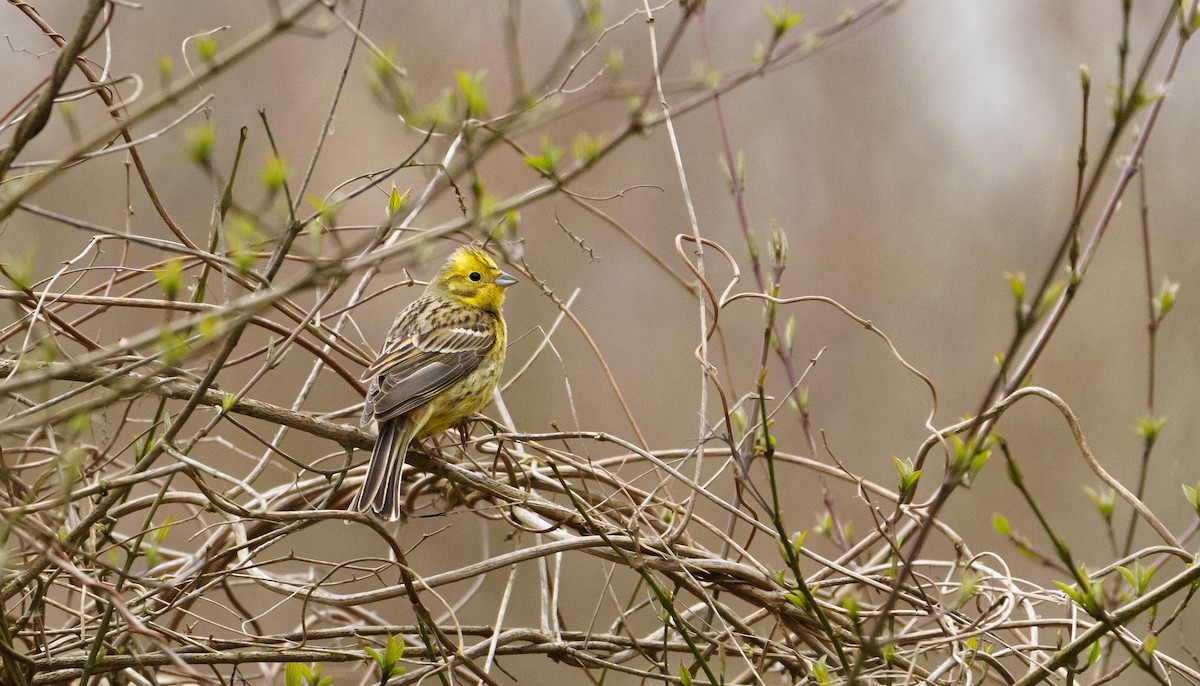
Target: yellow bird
<point x="439" y="365"/>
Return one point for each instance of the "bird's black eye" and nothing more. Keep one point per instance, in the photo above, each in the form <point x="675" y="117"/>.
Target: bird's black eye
<point x="475" y="276"/>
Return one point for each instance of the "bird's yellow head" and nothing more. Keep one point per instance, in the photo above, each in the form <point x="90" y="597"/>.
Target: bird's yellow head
<point x="473" y="279"/>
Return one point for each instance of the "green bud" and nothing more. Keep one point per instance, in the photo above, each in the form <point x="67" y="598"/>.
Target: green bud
<point x="779" y="246"/>
<point x="397" y="201"/>
<point x="752" y="246"/>
<point x="1165" y="300"/>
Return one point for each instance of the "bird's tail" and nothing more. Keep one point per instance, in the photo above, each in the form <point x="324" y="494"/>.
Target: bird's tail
<point x="380" y="492"/>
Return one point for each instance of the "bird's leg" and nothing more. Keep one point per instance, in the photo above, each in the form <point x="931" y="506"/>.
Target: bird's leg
<point x="464" y="436"/>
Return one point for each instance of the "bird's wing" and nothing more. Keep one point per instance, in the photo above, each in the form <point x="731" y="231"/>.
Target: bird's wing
<point x="420" y="363"/>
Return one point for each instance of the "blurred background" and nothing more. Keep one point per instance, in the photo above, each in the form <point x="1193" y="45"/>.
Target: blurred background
<point x="913" y="162"/>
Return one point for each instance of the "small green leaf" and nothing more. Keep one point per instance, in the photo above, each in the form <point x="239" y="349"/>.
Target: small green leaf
<point x="486" y="205"/>
<point x="979" y="461"/>
<point x="586" y="148"/>
<point x="614" y="60"/>
<point x="397" y="201"/>
<point x="67" y="110"/>
<point x="821" y="672"/>
<point x="738" y="418"/>
<point x="172" y="346"/>
<point x="752" y="246"/>
<point x="386" y="661"/>
<point x="782" y="19"/>
<point x="1193" y="497"/>
<point x="547" y="161"/>
<point x="968" y="586"/>
<point x="1053" y="292"/>
<point x="1094" y="600"/>
<point x="241" y="237"/>
<point x="824" y="525"/>
<point x="164" y="69"/>
<point x="295" y="673"/>
<point x="1138" y="577"/>
<point x="1062" y="549"/>
<point x="1140" y="98"/>
<point x="170" y="277"/>
<point x="377" y="657"/>
<point x="1149" y="428"/>
<point x="1072" y="592"/>
<point x="274" y="173"/>
<point x="712" y="79"/>
<point x="208" y="328"/>
<point x="594" y="15"/>
<point x="327" y="212"/>
<point x="153" y="556"/>
<point x="779" y="246"/>
<point x="798" y="541"/>
<point x="1016" y="285"/>
<point x="1104" y="502"/>
<point x="509" y="225"/>
<point x="19" y="270"/>
<point x="385" y="82"/>
<point x="206" y="47"/>
<point x="160" y="533"/>
<point x="1094" y="653"/>
<point x="1150" y="645"/>
<point x="471" y="88"/>
<point x="1165" y="300"/>
<point x="969" y="461"/>
<point x="199" y="145"/>
<point x="685" y="676"/>
<point x="851" y="604"/>
<point x="759" y="55"/>
<point x="1001" y="525"/>
<point x="796" y="598"/>
<point x="908" y="475"/>
<point x="440" y="111"/>
<point x="78" y="423"/>
<point x="395" y="649"/>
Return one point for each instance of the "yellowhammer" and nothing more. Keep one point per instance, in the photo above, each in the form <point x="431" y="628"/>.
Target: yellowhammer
<point x="439" y="365"/>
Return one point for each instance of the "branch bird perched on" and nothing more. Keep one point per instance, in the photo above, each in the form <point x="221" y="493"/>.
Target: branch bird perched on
<point x="439" y="365"/>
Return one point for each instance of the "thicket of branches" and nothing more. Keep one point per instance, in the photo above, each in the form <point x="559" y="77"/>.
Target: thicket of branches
<point x="130" y="556"/>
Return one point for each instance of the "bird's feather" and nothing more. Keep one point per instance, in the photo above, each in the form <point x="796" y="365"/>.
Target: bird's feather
<point x="416" y="365"/>
<point x="380" y="492"/>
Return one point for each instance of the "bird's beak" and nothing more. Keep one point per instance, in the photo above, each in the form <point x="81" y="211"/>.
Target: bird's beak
<point x="504" y="279"/>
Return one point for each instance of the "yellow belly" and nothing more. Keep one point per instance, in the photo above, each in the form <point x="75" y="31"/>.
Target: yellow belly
<point x="461" y="400"/>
